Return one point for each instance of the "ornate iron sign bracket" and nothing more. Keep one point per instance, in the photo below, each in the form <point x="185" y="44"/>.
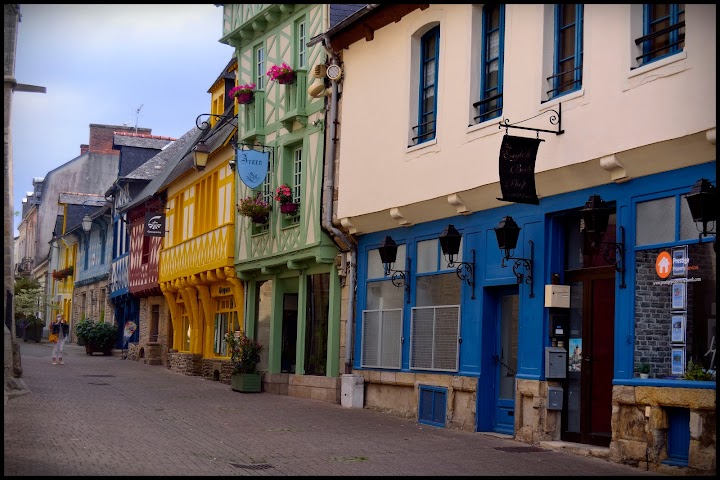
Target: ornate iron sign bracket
<point x="555" y="119"/>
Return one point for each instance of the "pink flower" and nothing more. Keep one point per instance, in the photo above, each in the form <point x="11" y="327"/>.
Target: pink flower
<point x="277" y="71"/>
<point x="247" y="88"/>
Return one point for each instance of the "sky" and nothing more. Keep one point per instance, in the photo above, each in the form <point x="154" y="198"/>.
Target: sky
<point x="100" y="64"/>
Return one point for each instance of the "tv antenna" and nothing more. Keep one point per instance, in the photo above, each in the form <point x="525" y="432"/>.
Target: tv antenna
<point x="137" y="116"/>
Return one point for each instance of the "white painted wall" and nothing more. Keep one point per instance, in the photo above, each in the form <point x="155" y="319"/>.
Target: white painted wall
<point x="617" y="111"/>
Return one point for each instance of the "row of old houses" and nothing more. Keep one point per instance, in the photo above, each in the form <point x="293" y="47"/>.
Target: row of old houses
<point x="504" y="236"/>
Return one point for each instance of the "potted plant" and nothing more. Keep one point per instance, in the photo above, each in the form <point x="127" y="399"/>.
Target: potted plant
<point x="245" y="355"/>
<point x="243" y="93"/>
<point x="283" y="194"/>
<point x="97" y="336"/>
<point x="644" y="370"/>
<point x="695" y="371"/>
<point x="283" y="74"/>
<point x="254" y="207"/>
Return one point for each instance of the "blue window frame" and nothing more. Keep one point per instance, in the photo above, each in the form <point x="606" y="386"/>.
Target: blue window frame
<point x="568" y="60"/>
<point x="427" y="106"/>
<point x="663" y="31"/>
<point x="493" y="53"/>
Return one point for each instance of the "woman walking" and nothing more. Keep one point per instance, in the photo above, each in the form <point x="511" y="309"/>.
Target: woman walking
<point x="60" y="330"/>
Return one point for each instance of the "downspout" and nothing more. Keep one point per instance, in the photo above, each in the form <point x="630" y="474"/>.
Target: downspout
<point x="328" y="197"/>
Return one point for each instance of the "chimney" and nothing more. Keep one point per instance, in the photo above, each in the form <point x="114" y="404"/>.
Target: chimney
<point x="101" y="137"/>
<point x="84" y="148"/>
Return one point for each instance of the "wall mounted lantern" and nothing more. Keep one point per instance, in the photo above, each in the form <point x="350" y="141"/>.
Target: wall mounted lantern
<point x="200" y="156"/>
<point x="703" y="203"/>
<point x="450" y="244"/>
<point x="507" y="233"/>
<point x="87" y="223"/>
<point x="388" y="253"/>
<point x="595" y="217"/>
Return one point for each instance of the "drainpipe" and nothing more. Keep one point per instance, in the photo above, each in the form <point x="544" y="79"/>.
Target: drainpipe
<point x="328" y="197"/>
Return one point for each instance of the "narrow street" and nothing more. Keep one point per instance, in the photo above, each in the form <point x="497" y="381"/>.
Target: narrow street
<point x="98" y="415"/>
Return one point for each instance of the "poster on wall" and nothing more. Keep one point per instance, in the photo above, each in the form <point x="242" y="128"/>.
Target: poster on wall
<point x="678" y="360"/>
<point x="678" y="328"/>
<point x="679" y="299"/>
<point x="575" y="355"/>
<point x="679" y="261"/>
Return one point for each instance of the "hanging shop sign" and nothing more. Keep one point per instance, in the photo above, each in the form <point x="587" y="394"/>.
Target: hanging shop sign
<point x="154" y="224"/>
<point x="517" y="169"/>
<point x="252" y="166"/>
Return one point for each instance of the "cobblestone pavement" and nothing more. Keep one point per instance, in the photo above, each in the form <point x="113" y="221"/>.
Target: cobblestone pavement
<point x="98" y="415"/>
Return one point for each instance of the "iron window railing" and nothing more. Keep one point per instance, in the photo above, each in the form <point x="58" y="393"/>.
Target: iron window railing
<point x="668" y="46"/>
<point x="482" y="105"/>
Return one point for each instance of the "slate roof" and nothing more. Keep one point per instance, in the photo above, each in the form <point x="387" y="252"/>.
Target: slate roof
<point x="77" y="198"/>
<point x="140" y="140"/>
<point x="341" y="11"/>
<point x="160" y="166"/>
<point x="76" y="213"/>
<point x="217" y="136"/>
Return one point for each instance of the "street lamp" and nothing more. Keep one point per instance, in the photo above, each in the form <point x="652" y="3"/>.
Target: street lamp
<point x="507" y="233"/>
<point x="450" y="244"/>
<point x="388" y="254"/>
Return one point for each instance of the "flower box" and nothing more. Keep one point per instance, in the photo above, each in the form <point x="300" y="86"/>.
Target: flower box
<point x="286" y="78"/>
<point x="289" y="208"/>
<point x="244" y="98"/>
<point x="246" y="382"/>
<point x="260" y="219"/>
<point x="243" y="94"/>
<point x="282" y="74"/>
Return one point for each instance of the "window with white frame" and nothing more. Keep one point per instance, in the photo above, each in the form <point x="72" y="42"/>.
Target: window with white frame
<point x="568" y="50"/>
<point x="491" y="66"/>
<point x="435" y="320"/>
<point x="382" y="320"/>
<point x="301" y="36"/>
<point x="663" y="31"/>
<point x="427" y="102"/>
<point x="226" y="321"/>
<point x="260" y="67"/>
<point x="297" y="174"/>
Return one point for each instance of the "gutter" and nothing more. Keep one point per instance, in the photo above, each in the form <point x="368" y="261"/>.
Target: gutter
<point x="327" y="208"/>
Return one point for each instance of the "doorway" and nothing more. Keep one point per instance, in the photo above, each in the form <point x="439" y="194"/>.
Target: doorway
<point x="289" y="333"/>
<point x="587" y="418"/>
<point x="506" y="304"/>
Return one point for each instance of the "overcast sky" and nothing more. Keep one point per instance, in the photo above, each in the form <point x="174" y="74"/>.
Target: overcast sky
<point x="100" y="63"/>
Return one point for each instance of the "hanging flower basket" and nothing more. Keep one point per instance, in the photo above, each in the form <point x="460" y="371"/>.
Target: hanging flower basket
<point x="261" y="219"/>
<point x="283" y="74"/>
<point x="286" y="78"/>
<point x="243" y="94"/>
<point x="289" y="208"/>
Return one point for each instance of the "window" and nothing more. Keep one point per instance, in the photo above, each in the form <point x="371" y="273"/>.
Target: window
<point x="154" y="322"/>
<point x="316" y="326"/>
<point x="297" y="174"/>
<point x="491" y="76"/>
<point x="427" y="103"/>
<point x="86" y="245"/>
<point x="186" y="330"/>
<point x="568" y="63"/>
<point x="663" y="31"/>
<point x="226" y="321"/>
<point x="383" y="319"/>
<point x="435" y="320"/>
<point x="145" y="250"/>
<point x="301" y="37"/>
<point x="103" y="240"/>
<point x="675" y="318"/>
<point x="260" y="67"/>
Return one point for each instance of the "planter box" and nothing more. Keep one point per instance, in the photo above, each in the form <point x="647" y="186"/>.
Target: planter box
<point x="246" y="382"/>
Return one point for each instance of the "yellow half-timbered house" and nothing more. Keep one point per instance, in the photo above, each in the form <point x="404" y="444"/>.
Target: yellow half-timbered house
<point x="196" y="265"/>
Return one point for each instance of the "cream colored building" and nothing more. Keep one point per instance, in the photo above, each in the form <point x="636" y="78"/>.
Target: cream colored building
<point x="623" y="98"/>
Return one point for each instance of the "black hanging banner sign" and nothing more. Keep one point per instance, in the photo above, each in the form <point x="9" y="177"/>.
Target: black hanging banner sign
<point x="154" y="224"/>
<point x="517" y="169"/>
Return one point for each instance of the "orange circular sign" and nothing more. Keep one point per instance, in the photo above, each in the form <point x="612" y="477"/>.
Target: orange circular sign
<point x="663" y="265"/>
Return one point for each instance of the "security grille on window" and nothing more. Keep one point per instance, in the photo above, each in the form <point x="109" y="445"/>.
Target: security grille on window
<point x="663" y="31"/>
<point x="491" y="78"/>
<point x="383" y="319"/>
<point x="568" y="64"/>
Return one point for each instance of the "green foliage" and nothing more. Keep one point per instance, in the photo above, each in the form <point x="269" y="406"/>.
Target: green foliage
<point x="245" y="353"/>
<point x="695" y="371"/>
<point x="99" y="335"/>
<point x="28" y="301"/>
<point x="23" y="283"/>
<point x="644" y="368"/>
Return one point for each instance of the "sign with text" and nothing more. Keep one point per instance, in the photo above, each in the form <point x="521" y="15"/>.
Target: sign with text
<point x="154" y="224"/>
<point x="517" y="169"/>
<point x="252" y="166"/>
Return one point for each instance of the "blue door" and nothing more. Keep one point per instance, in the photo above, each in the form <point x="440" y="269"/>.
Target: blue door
<point x="507" y="306"/>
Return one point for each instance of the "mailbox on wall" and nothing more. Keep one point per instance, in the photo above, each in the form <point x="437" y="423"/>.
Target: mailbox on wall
<point x="555" y="362"/>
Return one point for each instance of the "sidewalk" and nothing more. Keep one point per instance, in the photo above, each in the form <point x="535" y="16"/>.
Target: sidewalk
<point x="102" y="415"/>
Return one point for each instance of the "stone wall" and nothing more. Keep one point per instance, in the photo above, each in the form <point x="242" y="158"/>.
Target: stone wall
<point x="154" y="350"/>
<point x="185" y="363"/>
<point x="217" y="369"/>
<point x="534" y="423"/>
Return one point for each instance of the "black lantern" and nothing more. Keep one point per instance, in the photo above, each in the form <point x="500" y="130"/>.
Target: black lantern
<point x="450" y="244"/>
<point x="595" y="216"/>
<point x="507" y="233"/>
<point x="200" y="155"/>
<point x="702" y="201"/>
<point x="388" y="254"/>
